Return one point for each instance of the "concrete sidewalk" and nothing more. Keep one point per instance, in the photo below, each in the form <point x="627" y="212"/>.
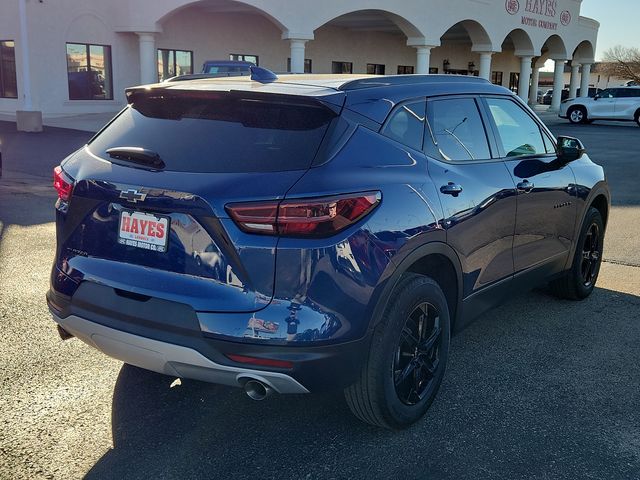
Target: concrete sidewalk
<point x="88" y="122"/>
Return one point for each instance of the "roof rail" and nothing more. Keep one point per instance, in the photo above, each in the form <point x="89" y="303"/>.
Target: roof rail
<point x="383" y="81"/>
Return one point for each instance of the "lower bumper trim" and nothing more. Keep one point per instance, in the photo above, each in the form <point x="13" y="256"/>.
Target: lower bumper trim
<point x="170" y="359"/>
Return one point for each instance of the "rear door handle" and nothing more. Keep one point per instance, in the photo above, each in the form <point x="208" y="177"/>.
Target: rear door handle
<point x="451" y="189"/>
<point x="525" y="186"/>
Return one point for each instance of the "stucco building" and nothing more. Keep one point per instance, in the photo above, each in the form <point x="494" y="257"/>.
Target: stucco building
<point x="68" y="57"/>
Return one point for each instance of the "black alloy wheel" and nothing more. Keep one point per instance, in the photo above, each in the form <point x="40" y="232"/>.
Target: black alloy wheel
<point x="591" y="255"/>
<point x="417" y="357"/>
<point x="579" y="281"/>
<point x="408" y="355"/>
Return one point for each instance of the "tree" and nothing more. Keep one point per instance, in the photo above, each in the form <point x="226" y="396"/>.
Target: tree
<point x="622" y="62"/>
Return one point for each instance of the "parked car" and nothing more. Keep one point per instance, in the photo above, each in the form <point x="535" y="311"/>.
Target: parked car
<point x="227" y="67"/>
<point x="593" y="91"/>
<point x="359" y="220"/>
<point x="217" y="68"/>
<point x="548" y="96"/>
<point x="619" y="103"/>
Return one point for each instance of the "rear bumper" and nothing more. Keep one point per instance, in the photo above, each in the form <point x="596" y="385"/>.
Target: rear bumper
<point x="166" y="337"/>
<point x="170" y="359"/>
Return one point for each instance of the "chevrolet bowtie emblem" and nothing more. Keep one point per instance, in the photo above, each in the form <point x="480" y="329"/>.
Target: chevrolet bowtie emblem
<point x="133" y="195"/>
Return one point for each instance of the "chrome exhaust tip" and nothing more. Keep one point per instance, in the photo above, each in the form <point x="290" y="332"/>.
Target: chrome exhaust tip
<point x="257" y="390"/>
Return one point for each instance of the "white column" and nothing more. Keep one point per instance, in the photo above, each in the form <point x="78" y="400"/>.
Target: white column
<point x="485" y="65"/>
<point x="575" y="80"/>
<point x="535" y="81"/>
<point x="423" y="57"/>
<point x="586" y="76"/>
<point x="27" y="104"/>
<point x="558" y="85"/>
<point x="297" y="55"/>
<point x="27" y="119"/>
<point x="525" y="74"/>
<point x="148" y="59"/>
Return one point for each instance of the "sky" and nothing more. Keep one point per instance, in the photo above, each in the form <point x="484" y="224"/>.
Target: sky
<point x="618" y="22"/>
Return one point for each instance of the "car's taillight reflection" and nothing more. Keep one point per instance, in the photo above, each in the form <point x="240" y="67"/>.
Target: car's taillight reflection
<point x="63" y="183"/>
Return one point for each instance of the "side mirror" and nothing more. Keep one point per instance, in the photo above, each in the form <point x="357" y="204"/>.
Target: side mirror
<point x="596" y="96"/>
<point x="570" y="149"/>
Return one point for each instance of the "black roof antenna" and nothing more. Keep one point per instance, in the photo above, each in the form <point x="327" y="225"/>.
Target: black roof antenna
<point x="262" y="75"/>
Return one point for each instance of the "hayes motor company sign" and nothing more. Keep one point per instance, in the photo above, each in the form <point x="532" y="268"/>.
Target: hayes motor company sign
<point x="539" y="13"/>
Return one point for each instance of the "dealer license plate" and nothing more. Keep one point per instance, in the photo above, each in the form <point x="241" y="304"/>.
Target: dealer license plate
<point x="144" y="230"/>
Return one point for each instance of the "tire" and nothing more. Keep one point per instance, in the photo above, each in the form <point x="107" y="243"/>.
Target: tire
<point x="578" y="282"/>
<point x="637" y="117"/>
<point x="577" y="115"/>
<point x="380" y="397"/>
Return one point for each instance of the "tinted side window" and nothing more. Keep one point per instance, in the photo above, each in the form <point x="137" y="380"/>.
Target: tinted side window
<point x="406" y="124"/>
<point x="609" y="93"/>
<point x="519" y="133"/>
<point x="458" y="129"/>
<point x="631" y="92"/>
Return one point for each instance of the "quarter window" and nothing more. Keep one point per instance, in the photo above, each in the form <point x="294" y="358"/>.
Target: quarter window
<point x="457" y="129"/>
<point x="174" y="62"/>
<point x="8" y="83"/>
<point x="406" y="124"/>
<point x="519" y="133"/>
<point x="89" y="72"/>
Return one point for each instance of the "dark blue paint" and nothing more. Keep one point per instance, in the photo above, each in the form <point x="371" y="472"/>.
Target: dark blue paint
<point x="259" y="289"/>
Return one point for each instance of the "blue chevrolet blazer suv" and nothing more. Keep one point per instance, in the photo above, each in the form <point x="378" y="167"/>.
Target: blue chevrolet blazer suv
<point x="308" y="232"/>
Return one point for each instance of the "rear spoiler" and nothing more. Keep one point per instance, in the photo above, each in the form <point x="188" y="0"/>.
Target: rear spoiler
<point x="333" y="101"/>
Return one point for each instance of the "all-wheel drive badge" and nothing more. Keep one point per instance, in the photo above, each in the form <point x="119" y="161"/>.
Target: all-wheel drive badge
<point x="133" y="196"/>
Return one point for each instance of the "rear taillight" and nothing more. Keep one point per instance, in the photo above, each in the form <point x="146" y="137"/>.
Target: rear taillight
<point x="63" y="183"/>
<point x="307" y="217"/>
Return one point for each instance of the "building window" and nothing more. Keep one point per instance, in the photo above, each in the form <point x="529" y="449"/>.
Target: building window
<point x="8" y="83"/>
<point x="341" y="67"/>
<point x="496" y="78"/>
<point x="405" y="69"/>
<point x="514" y="79"/>
<point x="433" y="70"/>
<point x="307" y="65"/>
<point x="375" y="69"/>
<point x="174" y="62"/>
<point x="241" y="57"/>
<point x="89" y="72"/>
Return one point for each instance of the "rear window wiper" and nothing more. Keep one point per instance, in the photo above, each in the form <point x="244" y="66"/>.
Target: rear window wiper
<point x="138" y="155"/>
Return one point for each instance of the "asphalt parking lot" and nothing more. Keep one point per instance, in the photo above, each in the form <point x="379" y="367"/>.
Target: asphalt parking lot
<point x="538" y="388"/>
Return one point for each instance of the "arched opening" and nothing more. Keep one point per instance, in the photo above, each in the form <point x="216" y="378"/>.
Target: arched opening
<point x="209" y="30"/>
<point x="555" y="50"/>
<point x="517" y="46"/>
<point x="584" y="52"/>
<point x="364" y="41"/>
<point x="459" y="49"/>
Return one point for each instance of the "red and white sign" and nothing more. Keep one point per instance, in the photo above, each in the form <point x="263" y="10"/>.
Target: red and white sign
<point x="144" y="230"/>
<point x="545" y="11"/>
<point x="512" y="6"/>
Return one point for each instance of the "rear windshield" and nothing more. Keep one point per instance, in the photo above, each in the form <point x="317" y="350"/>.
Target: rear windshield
<point x="220" y="132"/>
